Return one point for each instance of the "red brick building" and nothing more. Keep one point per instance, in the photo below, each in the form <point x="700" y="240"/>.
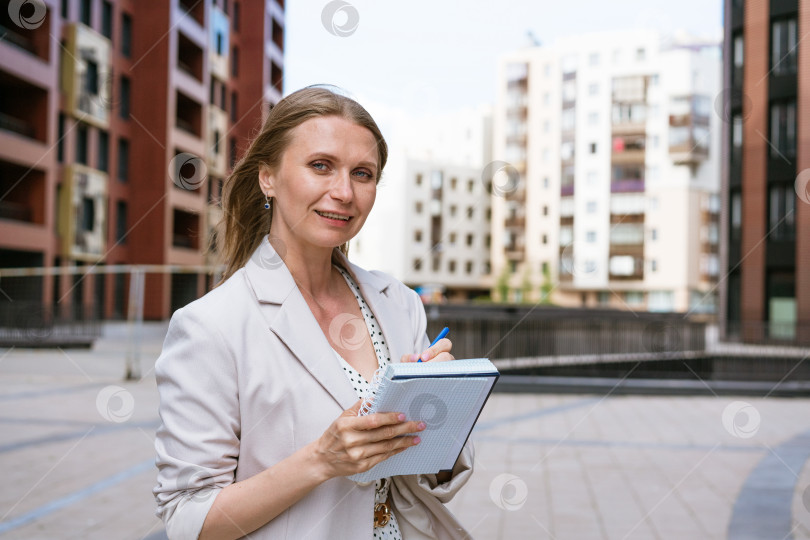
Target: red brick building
<point x="100" y="100"/>
<point x="766" y="105"/>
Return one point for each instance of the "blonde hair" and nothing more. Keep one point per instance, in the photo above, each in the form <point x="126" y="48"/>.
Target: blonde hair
<point x="245" y="221"/>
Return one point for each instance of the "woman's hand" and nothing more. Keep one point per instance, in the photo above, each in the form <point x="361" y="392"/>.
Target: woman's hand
<point x="354" y="444"/>
<point x="437" y="353"/>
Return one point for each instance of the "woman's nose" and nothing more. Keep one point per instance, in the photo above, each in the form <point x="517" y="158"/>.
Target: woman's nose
<point x="342" y="187"/>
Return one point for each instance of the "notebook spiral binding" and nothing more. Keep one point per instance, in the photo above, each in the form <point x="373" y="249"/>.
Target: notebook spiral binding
<point x="378" y="382"/>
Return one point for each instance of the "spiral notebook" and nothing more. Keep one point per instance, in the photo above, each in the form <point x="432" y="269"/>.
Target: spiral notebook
<point x="447" y="396"/>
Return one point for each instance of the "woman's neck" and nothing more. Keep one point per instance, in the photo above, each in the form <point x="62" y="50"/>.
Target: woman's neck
<point x="312" y="271"/>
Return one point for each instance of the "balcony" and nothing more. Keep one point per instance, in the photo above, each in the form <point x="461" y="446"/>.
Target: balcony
<point x="219" y="43"/>
<point x="188" y="115"/>
<point x="515" y="222"/>
<point x="189" y="57"/>
<point x="23" y="108"/>
<point x="82" y="213"/>
<point x="35" y="41"/>
<point x="22" y="201"/>
<point x="627" y="186"/>
<point x="185" y="230"/>
<point x="86" y="62"/>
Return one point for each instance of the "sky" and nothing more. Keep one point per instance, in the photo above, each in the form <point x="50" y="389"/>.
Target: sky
<point x="431" y="56"/>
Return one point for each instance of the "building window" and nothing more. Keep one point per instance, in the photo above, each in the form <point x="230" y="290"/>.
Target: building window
<point x="451" y="266"/>
<point x="470" y="239"/>
<point x="121" y="222"/>
<point x="60" y="144"/>
<point x="123" y="160"/>
<point x="470" y="186"/>
<point x="91" y="78"/>
<point x="593" y="59"/>
<point x="487" y="240"/>
<point x="126" y="35"/>
<point x="220" y="44"/>
<point x="468" y="267"/>
<point x="591" y="207"/>
<point x="103" y="158"/>
<point x="590" y="236"/>
<point x="736" y="214"/>
<point x="593" y="89"/>
<point x="418" y="207"/>
<point x="593" y="118"/>
<point x="470" y="212"/>
<point x="489" y="214"/>
<point x="418" y="179"/>
<point x="783" y="129"/>
<point x="417" y="265"/>
<point x="234" y="109"/>
<point x="653" y="265"/>
<point x="593" y="148"/>
<point x="88" y="214"/>
<point x="654" y="234"/>
<point x="235" y="16"/>
<point x="738" y="54"/>
<point x="216" y="141"/>
<point x="81" y="144"/>
<point x="641" y="54"/>
<point x="85" y="12"/>
<point x="124" y="85"/>
<point x="545" y="210"/>
<point x="417" y="236"/>
<point x="545" y="239"/>
<point x="784" y="46"/>
<point x="453" y="183"/>
<point x="106" y="19"/>
<point x="436" y="264"/>
<point x="634" y="298"/>
<point x="452" y="239"/>
<point x="453" y="210"/>
<point x="781" y="212"/>
<point x="233" y="149"/>
<point x="234" y="61"/>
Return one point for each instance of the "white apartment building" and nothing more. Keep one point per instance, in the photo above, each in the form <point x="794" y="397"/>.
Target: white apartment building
<point x="430" y="226"/>
<point x="618" y="149"/>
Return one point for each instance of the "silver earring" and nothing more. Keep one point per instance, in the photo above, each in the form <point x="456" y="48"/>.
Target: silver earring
<point x="266" y="202"/>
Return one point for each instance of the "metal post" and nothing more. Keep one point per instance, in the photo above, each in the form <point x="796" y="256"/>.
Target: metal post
<point x="135" y="318"/>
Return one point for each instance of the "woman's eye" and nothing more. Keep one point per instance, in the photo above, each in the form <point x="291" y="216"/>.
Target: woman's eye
<point x="321" y="166"/>
<point x="363" y="173"/>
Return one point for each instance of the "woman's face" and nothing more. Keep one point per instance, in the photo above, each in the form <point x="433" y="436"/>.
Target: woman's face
<point x="325" y="184"/>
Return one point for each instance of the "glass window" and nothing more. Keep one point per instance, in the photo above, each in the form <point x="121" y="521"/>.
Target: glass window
<point x="783" y="129"/>
<point x="784" y="49"/>
<point x="85" y="13"/>
<point x="81" y="144"/>
<point x="123" y="160"/>
<point x="106" y="19"/>
<point x="126" y="35"/>
<point x="123" y="109"/>
<point x="103" y="157"/>
<point x="121" y="222"/>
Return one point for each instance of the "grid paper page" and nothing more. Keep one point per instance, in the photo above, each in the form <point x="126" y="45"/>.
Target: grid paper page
<point x="447" y="405"/>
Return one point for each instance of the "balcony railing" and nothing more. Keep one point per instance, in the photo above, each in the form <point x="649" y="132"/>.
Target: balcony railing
<point x="627" y="186"/>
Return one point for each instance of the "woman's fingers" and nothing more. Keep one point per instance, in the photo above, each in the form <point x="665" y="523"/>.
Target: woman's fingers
<point x="440" y="352"/>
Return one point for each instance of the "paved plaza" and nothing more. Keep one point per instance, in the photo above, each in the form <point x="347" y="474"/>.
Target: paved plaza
<point x="77" y="451"/>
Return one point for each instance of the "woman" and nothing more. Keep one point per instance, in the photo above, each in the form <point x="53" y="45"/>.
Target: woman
<point x="260" y="379"/>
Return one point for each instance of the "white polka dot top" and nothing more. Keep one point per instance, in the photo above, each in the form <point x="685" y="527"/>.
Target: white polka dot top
<point x="362" y="387"/>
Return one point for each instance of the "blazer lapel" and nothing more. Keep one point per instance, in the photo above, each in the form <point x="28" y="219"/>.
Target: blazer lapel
<point x="294" y="323"/>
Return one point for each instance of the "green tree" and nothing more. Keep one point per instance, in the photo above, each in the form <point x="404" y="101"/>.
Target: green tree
<point x="526" y="287"/>
<point x="502" y="285"/>
<point x="546" y="287"/>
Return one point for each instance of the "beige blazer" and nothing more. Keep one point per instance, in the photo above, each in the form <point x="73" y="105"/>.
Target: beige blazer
<point x="246" y="377"/>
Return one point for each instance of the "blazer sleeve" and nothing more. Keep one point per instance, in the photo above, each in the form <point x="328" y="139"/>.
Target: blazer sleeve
<point x="197" y="443"/>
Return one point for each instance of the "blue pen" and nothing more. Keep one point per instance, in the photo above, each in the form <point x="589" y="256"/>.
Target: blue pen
<point x="442" y="334"/>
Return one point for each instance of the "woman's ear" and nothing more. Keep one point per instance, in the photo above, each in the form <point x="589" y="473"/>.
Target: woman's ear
<point x="266" y="179"/>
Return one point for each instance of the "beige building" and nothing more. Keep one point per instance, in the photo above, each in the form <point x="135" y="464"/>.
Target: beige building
<point x="617" y="153"/>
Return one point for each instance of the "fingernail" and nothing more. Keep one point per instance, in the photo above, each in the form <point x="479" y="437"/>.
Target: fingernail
<point x="421" y="426"/>
<point x="417" y="440"/>
<point x="414" y="357"/>
<point x="401" y="417"/>
<point x="425" y="356"/>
